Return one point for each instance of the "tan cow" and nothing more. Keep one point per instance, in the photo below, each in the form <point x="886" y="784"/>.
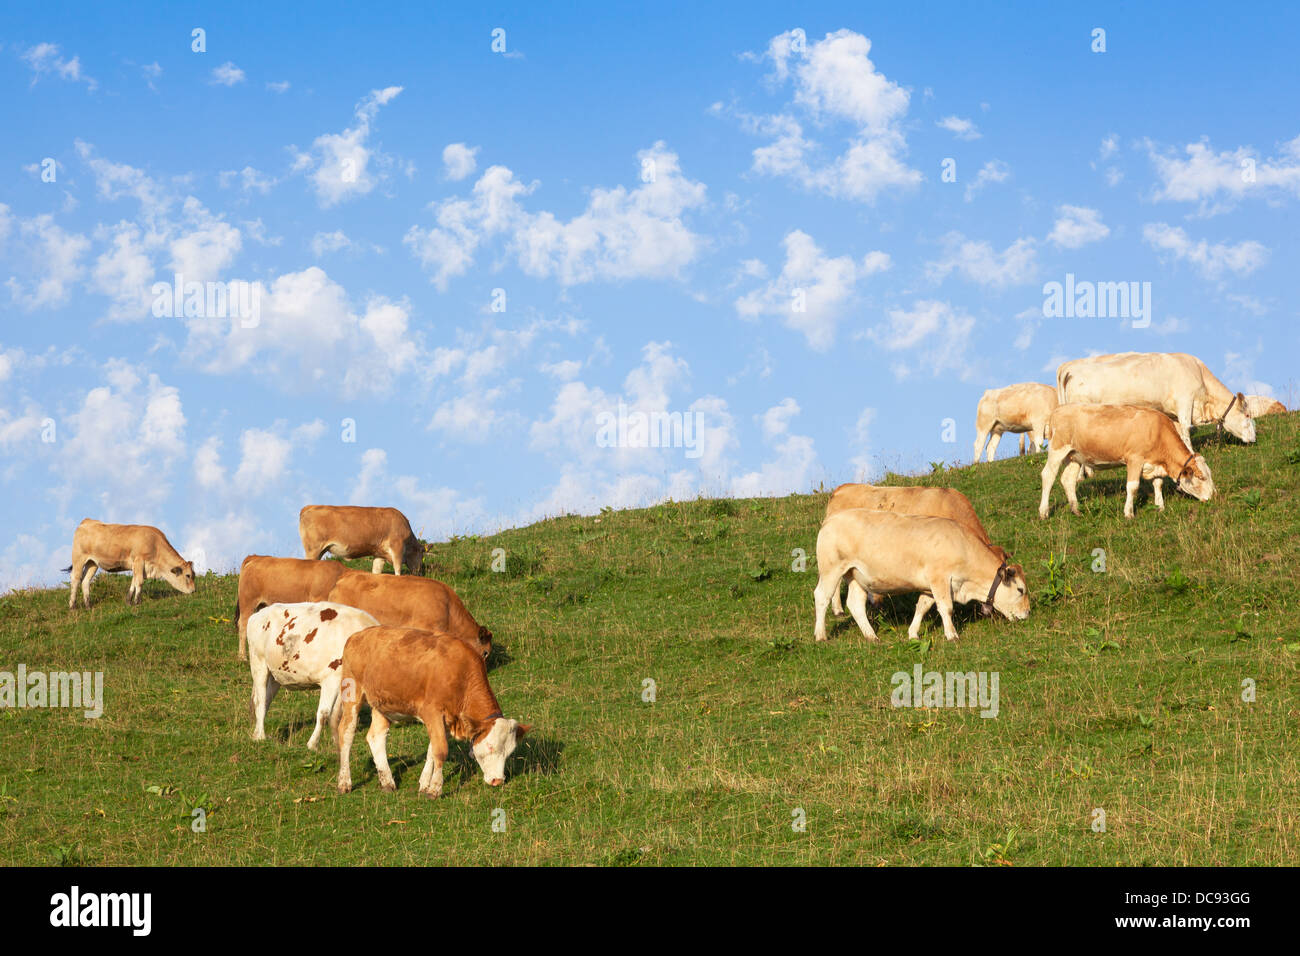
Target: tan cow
<point x="430" y="676"/>
<point x="139" y="548"/>
<point x="912" y="500"/>
<point x="265" y="580"/>
<point x="1145" y="442"/>
<point x="347" y="532"/>
<point x="902" y="554"/>
<point x="1260" y="405"/>
<point x="411" y="602"/>
<point x="1175" y="383"/>
<point x="1017" y="409"/>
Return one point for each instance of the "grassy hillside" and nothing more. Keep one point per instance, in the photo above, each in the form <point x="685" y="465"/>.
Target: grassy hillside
<point x="1124" y="693"/>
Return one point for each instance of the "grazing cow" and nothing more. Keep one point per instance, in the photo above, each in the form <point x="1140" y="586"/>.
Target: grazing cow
<point x="912" y="500"/>
<point x="901" y="554"/>
<point x="139" y="548"/>
<point x="412" y="602"/>
<point x="1260" y="405"/>
<point x="300" y="647"/>
<point x="264" y="580"/>
<point x="1177" y="384"/>
<point x="404" y="673"/>
<point x="1145" y="442"/>
<point x="1017" y="409"/>
<point x="348" y="532"/>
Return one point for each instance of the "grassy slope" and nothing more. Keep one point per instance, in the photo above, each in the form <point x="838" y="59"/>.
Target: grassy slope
<point x="747" y="726"/>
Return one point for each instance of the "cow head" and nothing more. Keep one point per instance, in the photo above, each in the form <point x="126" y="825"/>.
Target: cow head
<point x="1238" y="420"/>
<point x="1195" y="477"/>
<point x="495" y="742"/>
<point x="413" y="556"/>
<point x="1011" y="599"/>
<point x="181" y="577"/>
<point x="484" y="641"/>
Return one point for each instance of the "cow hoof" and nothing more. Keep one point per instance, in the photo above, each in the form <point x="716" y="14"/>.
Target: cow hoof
<point x="873" y="640"/>
<point x="388" y="787"/>
<point x="431" y="794"/>
<point x="345" y="788"/>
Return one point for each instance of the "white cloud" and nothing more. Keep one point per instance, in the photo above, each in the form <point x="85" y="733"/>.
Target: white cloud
<point x="56" y="259"/>
<point x="1204" y="175"/>
<point x="1077" y="226"/>
<point x="340" y="164"/>
<point x="994" y="171"/>
<point x="812" y="290"/>
<point x="280" y="86"/>
<point x="795" y="463"/>
<point x="959" y="127"/>
<point x="44" y="59"/>
<point x="939" y="331"/>
<point x="227" y="74"/>
<point x="978" y="262"/>
<point x="458" y="161"/>
<point x="1210" y="260"/>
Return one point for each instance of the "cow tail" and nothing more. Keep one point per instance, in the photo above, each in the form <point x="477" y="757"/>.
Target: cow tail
<point x="236" y="617"/>
<point x="67" y="569"/>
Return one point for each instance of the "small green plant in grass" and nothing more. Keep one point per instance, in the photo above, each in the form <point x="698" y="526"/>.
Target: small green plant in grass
<point x="72" y="855"/>
<point x="999" y="854"/>
<point x="1251" y="499"/>
<point x="762" y="572"/>
<point x="1293" y="457"/>
<point x="160" y="790"/>
<point x="783" y="642"/>
<point x="1055" y="587"/>
<point x="936" y="467"/>
<point x="1176" y="582"/>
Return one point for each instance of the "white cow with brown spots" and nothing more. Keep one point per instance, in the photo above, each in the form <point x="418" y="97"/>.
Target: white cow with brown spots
<point x="1141" y="440"/>
<point x="139" y="548"/>
<point x="888" y="553"/>
<point x="300" y="647"/>
<point x="1019" y="409"/>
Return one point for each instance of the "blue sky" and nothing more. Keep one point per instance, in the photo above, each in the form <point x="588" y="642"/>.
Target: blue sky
<point x="652" y="190"/>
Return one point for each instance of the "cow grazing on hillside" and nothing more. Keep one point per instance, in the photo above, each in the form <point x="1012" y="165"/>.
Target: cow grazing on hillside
<point x="348" y="532"/>
<point x="300" y="647"/>
<point x="1018" y="409"/>
<point x="265" y="580"/>
<point x="912" y="500"/>
<point x="1260" y="405"/>
<point x="1145" y="442"/>
<point x="412" y="602"/>
<point x="404" y="673"/>
<point x="139" y="548"/>
<point x="1177" y="384"/>
<point x="889" y="553"/>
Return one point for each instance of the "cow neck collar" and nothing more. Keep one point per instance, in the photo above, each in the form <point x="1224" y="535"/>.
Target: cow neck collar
<point x="987" y="606"/>
<point x="1218" y="428"/>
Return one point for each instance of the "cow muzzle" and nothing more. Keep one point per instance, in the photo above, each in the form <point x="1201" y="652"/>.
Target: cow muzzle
<point x="497" y="782"/>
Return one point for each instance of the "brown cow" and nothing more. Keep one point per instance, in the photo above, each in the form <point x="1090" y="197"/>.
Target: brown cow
<point x="264" y="580"/>
<point x="404" y="673"/>
<point x="1144" y="441"/>
<point x="899" y="554"/>
<point x="348" y="532"/>
<point x="911" y="500"/>
<point x="410" y="602"/>
<point x="139" y="548"/>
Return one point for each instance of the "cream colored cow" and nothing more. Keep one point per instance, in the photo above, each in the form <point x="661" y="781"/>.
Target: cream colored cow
<point x="889" y="553"/>
<point x="1260" y="405"/>
<point x="1175" y="383"/>
<point x="139" y="548"/>
<point x="1018" y="409"/>
<point x="1145" y="442"/>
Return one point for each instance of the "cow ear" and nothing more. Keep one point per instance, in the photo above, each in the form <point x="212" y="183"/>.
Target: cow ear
<point x="176" y="570"/>
<point x="521" y="729"/>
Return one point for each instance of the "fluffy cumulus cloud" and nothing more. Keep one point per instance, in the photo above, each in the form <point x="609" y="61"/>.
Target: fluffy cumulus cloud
<point x="978" y="262"/>
<point x="932" y="334"/>
<point x="1216" y="179"/>
<point x="44" y="59"/>
<point x="835" y="86"/>
<point x="959" y="127"/>
<point x="227" y="74"/>
<point x="343" y="166"/>
<point x="1077" y="226"/>
<point x="434" y="512"/>
<point x="622" y="234"/>
<point x="1211" y="261"/>
<point x="459" y="161"/>
<point x="994" y="171"/>
<point x="55" y="262"/>
<point x="812" y="291"/>
<point x="793" y="464"/>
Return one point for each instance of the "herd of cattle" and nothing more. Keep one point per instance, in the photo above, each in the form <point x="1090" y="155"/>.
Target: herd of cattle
<point x="409" y="648"/>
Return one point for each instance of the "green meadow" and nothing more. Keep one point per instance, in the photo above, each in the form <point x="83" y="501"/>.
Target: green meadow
<point x="683" y="715"/>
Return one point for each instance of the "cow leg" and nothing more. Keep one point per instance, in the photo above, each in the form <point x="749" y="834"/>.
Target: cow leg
<point x="827" y="584"/>
<point x="993" y="442"/>
<point x="1070" y="482"/>
<point x="261" y="693"/>
<point x="942" y="596"/>
<point x="377" y="738"/>
<point x="923" y="604"/>
<point x="329" y="695"/>
<point x="1160" y="497"/>
<point x="135" y="594"/>
<point x="431" y="778"/>
<point x="87" y="576"/>
<point x="837" y="606"/>
<point x="1055" y="457"/>
<point x="377" y="566"/>
<point x="1134" y="475"/>
<point x="857" y="603"/>
<point x="348" y="727"/>
<point x="1022" y="443"/>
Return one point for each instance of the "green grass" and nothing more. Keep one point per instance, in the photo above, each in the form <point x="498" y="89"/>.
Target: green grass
<point x="1121" y="693"/>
